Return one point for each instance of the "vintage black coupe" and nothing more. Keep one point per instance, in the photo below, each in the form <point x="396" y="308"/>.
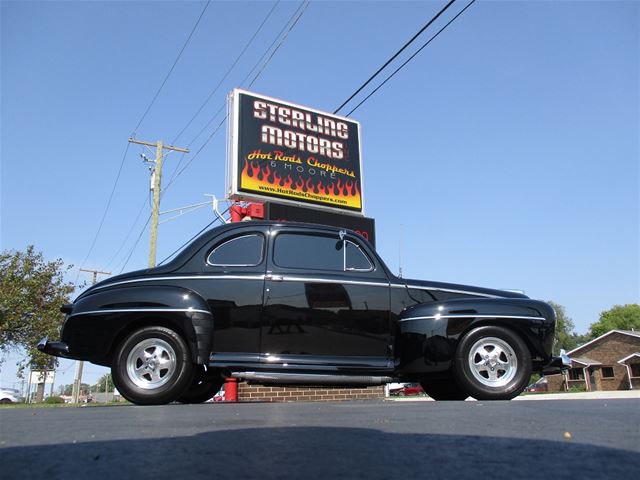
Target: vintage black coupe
<point x="298" y="304"/>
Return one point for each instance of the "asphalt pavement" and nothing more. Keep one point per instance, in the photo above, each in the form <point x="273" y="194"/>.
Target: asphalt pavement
<point x="577" y="439"/>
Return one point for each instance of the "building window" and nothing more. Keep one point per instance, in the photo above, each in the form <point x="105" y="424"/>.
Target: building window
<point x="607" y="372"/>
<point x="635" y="369"/>
<point x="576" y="374"/>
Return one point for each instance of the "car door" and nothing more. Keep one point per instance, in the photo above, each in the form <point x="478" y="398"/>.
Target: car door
<point x="233" y="286"/>
<point x="326" y="302"/>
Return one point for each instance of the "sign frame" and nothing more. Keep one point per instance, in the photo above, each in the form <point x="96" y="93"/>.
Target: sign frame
<point x="232" y="189"/>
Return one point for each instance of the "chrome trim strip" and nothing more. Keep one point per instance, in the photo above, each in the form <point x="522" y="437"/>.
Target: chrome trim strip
<point x="185" y="277"/>
<point x="129" y="310"/>
<point x="297" y="279"/>
<point x="451" y="290"/>
<point x="341" y="282"/>
<point x="471" y="315"/>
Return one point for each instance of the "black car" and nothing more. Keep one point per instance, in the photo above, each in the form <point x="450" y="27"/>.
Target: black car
<point x="299" y="304"/>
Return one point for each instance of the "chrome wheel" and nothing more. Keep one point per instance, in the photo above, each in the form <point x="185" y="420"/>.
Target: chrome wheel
<point x="151" y="363"/>
<point x="493" y="362"/>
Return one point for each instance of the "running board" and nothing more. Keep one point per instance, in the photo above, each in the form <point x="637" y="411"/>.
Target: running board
<point x="309" y="379"/>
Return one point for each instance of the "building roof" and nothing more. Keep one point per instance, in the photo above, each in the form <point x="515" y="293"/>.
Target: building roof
<point x="629" y="357"/>
<point x="586" y="361"/>
<point x="631" y="333"/>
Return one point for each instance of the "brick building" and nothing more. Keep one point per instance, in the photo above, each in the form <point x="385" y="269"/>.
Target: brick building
<point x="609" y="362"/>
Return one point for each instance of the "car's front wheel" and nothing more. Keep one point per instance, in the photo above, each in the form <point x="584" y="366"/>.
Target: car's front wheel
<point x="492" y="363"/>
<point x="152" y="366"/>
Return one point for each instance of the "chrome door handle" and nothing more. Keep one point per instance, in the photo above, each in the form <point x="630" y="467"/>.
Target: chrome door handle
<point x="274" y="278"/>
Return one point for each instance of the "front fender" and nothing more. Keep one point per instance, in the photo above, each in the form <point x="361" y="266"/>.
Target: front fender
<point x="99" y="321"/>
<point x="429" y="333"/>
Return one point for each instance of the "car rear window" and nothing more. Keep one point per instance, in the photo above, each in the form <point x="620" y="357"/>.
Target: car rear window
<point x="244" y="251"/>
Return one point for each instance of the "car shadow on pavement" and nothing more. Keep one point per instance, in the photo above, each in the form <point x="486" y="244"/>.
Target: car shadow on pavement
<point x="310" y="453"/>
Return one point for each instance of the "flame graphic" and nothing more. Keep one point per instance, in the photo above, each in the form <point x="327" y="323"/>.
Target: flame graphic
<point x="266" y="180"/>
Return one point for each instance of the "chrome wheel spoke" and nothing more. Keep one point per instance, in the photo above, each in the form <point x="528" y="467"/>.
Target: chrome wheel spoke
<point x="151" y="363"/>
<point x="493" y="362"/>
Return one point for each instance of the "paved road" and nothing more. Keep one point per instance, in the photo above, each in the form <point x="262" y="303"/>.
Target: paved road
<point x="338" y="440"/>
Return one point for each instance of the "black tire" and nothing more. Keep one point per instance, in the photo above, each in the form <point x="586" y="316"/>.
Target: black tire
<point x="204" y="386"/>
<point x="443" y="389"/>
<point x="152" y="366"/>
<point x="492" y="363"/>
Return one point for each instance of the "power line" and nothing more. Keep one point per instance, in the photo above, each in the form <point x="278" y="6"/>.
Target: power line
<point x="291" y="23"/>
<point x="104" y="215"/>
<point x="126" y="238"/>
<point x="395" y="55"/>
<point x="175" y="62"/>
<point x="135" y="244"/>
<point x="305" y="5"/>
<point x="194" y="236"/>
<point x="255" y="34"/>
<point x="266" y="52"/>
<point x="411" y="57"/>
<point x="124" y="156"/>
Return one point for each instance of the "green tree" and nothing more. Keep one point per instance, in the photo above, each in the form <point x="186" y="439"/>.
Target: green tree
<point x="565" y="336"/>
<point x="106" y="379"/>
<point x="31" y="293"/>
<point x="620" y="317"/>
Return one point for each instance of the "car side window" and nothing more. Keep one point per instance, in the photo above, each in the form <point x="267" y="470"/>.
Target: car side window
<point x="244" y="251"/>
<point x="314" y="252"/>
<point x="355" y="259"/>
<point x="318" y="252"/>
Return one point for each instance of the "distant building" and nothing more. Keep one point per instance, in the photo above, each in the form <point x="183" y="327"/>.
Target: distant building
<point x="609" y="362"/>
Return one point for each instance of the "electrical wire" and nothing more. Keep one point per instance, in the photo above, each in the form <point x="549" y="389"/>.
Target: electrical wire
<point x="175" y="62"/>
<point x="126" y="238"/>
<point x="224" y="77"/>
<point x="124" y="156"/>
<point x="135" y="245"/>
<point x="411" y="40"/>
<point x="104" y="214"/>
<point x="291" y="23"/>
<point x="305" y="6"/>
<point x="411" y="57"/>
<point x="194" y="236"/>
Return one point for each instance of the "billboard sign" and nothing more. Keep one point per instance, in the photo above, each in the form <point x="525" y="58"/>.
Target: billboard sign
<point x="278" y="150"/>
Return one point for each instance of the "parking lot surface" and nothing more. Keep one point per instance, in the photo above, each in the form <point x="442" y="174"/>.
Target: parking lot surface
<point x="546" y="438"/>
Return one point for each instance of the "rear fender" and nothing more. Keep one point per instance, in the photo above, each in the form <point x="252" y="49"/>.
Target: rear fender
<point x="429" y="333"/>
<point x="98" y="322"/>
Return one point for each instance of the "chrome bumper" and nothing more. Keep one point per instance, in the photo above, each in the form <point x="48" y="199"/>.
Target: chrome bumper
<point x="58" y="349"/>
<point x="558" y="364"/>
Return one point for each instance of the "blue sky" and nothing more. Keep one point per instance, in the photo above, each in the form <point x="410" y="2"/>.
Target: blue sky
<point x="506" y="152"/>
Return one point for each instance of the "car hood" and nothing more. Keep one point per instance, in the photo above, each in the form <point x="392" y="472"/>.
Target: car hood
<point x="459" y="288"/>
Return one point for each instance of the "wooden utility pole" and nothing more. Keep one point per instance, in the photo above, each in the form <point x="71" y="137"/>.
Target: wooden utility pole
<point x="77" y="382"/>
<point x="156" y="181"/>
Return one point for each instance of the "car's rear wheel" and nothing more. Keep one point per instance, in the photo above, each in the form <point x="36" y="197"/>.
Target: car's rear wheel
<point x="443" y="389"/>
<point x="492" y="363"/>
<point x="204" y="386"/>
<point x="152" y="366"/>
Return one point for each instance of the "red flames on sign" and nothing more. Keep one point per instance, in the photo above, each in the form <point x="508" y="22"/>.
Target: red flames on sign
<point x="266" y="176"/>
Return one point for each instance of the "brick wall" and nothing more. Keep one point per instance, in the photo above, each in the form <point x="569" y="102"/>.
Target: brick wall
<point x="255" y="393"/>
<point x="556" y="383"/>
